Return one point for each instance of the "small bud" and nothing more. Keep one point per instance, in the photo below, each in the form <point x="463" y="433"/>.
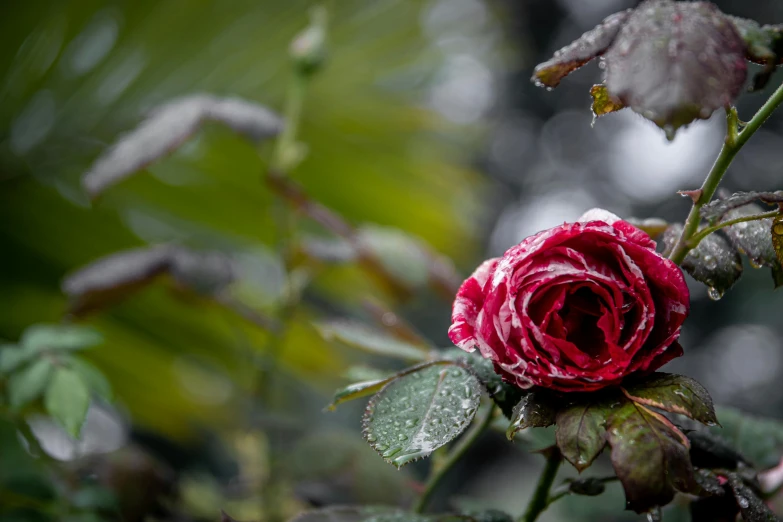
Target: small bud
<point x="308" y="49"/>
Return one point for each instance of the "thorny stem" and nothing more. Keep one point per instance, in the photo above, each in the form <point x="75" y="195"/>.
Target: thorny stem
<point x="735" y="140"/>
<point x="541" y="499"/>
<point x="454" y="455"/>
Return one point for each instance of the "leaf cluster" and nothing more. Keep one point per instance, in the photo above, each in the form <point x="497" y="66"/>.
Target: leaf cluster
<point x="42" y="368"/>
<point x="734" y="226"/>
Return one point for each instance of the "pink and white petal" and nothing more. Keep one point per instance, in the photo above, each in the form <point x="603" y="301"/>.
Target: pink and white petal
<point x="470" y="298"/>
<point x="628" y="230"/>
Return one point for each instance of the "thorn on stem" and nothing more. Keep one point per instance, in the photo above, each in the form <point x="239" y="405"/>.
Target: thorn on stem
<point x="695" y="195"/>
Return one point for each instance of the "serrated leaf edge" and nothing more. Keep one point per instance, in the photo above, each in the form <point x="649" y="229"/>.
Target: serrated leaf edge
<point x="371" y="408"/>
<point x="673" y="408"/>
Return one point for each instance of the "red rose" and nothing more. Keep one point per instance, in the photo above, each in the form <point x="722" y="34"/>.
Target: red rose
<point x="574" y="308"/>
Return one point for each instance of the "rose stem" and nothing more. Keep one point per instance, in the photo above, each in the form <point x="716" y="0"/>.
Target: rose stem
<point x="540" y="499"/>
<point x="706" y="231"/>
<point x="454" y="455"/>
<point x="731" y="146"/>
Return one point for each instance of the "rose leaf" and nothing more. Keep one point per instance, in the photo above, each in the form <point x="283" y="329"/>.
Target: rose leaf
<point x="168" y="127"/>
<point x="674" y="62"/>
<point x="505" y="395"/>
<point x="714" y="262"/>
<point x="362" y="337"/>
<point x="603" y="102"/>
<point x="717" y="208"/>
<point x="762" y="45"/>
<point x="59" y="337"/>
<point x="537" y="409"/>
<point x="758" y="439"/>
<point x="114" y="277"/>
<point x="95" y="380"/>
<point x="752" y="508"/>
<point x="581" y="429"/>
<point x="67" y="399"/>
<point x="369" y="387"/>
<point x="754" y="239"/>
<point x="590" y="45"/>
<point x="28" y="384"/>
<point x="416" y="414"/>
<point x="206" y="273"/>
<point x="650" y="457"/>
<point x="675" y="394"/>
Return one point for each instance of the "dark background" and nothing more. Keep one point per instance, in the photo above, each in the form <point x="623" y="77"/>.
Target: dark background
<point x="424" y="119"/>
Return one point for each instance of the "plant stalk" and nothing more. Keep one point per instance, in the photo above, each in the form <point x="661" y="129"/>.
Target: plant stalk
<point x="706" y="231"/>
<point x="454" y="455"/>
<point x="541" y="499"/>
<point x="734" y="142"/>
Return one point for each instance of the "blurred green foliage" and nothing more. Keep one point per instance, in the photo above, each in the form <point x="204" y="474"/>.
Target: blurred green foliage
<point x="74" y="75"/>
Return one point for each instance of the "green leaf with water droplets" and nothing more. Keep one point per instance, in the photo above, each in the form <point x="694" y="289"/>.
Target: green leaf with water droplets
<point x="758" y="439"/>
<point x="505" y="395"/>
<point x="752" y="508"/>
<point x="537" y="409"/>
<point x="362" y="337"/>
<point x="675" y="62"/>
<point x="365" y="388"/>
<point x="714" y="262"/>
<point x="418" y="413"/>
<point x="675" y="394"/>
<point x="589" y="46"/>
<point x="754" y="239"/>
<point x="581" y="428"/>
<point x="603" y="102"/>
<point x="650" y="457"/>
<point x="717" y="208"/>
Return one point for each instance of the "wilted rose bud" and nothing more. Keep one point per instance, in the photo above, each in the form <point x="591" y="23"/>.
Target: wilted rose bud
<point x="672" y="62"/>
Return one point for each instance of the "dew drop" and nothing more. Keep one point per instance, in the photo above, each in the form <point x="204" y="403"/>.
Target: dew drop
<point x="743" y="502"/>
<point x="714" y="293"/>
